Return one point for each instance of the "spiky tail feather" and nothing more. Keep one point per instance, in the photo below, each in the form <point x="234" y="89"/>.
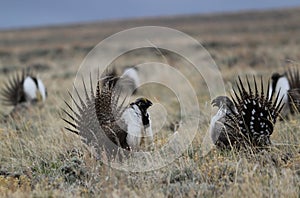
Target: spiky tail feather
<point x="294" y="92"/>
<point x="12" y="93"/>
<point x="95" y="118"/>
<point x="256" y="113"/>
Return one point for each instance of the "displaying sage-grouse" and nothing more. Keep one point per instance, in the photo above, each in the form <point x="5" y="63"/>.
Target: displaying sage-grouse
<point x="104" y="123"/>
<point x="128" y="81"/>
<point x="245" y="120"/>
<point x="22" y="91"/>
<point x="289" y="86"/>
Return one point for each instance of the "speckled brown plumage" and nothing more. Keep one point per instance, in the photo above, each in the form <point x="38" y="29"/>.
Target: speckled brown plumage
<point x="96" y="119"/>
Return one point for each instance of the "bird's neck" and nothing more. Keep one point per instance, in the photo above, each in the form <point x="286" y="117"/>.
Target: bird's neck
<point x="145" y="118"/>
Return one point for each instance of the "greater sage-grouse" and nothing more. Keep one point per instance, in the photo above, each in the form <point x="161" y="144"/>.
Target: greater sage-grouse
<point x="289" y="86"/>
<point x="131" y="79"/>
<point x="128" y="81"/>
<point x="245" y="120"/>
<point x="104" y="123"/>
<point x="22" y="91"/>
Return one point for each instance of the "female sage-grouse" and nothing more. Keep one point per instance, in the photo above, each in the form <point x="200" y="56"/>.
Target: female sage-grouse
<point x="107" y="125"/>
<point x="244" y="120"/>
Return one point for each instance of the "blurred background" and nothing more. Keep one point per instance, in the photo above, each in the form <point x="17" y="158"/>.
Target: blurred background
<point x="16" y="14"/>
<point x="242" y="37"/>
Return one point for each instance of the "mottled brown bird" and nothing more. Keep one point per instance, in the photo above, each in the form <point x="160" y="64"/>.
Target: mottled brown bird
<point x="104" y="123"/>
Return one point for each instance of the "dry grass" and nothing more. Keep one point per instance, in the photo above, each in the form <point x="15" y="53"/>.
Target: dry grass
<point x="41" y="159"/>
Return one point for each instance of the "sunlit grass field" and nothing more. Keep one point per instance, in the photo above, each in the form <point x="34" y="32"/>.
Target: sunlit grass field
<point x="39" y="158"/>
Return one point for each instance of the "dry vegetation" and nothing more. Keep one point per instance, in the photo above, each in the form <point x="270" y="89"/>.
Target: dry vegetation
<point x="39" y="158"/>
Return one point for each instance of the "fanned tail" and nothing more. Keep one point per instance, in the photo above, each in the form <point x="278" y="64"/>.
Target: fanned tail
<point x="257" y="112"/>
<point x="294" y="92"/>
<point x="94" y="117"/>
<point x="12" y="93"/>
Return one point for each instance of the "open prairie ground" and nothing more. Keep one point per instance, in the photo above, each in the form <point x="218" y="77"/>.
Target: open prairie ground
<point x="39" y="158"/>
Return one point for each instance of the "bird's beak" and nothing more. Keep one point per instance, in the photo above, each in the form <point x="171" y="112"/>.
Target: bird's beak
<point x="214" y="103"/>
<point x="149" y="103"/>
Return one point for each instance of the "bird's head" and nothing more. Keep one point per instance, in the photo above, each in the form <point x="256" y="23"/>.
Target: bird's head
<point x="275" y="77"/>
<point x="143" y="103"/>
<point x="222" y="101"/>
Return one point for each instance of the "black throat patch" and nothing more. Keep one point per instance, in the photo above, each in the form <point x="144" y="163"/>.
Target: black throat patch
<point x="145" y="115"/>
<point x="145" y="119"/>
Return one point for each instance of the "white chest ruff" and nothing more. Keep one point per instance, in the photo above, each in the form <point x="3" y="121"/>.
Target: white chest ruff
<point x="31" y="89"/>
<point x="135" y="128"/>
<point x="282" y="86"/>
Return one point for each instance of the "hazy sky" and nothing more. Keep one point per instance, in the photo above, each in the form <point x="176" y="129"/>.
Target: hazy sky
<point x="16" y="13"/>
